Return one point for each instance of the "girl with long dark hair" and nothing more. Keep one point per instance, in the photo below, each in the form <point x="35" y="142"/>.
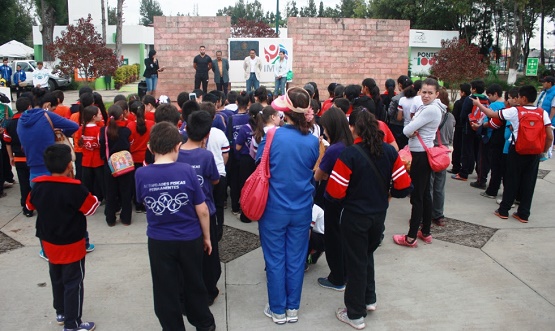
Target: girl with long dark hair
<point x="336" y="129"/>
<point x="119" y="190"/>
<point x="87" y="139"/>
<point x="152" y="68"/>
<point x="361" y="180"/>
<point x="140" y="134"/>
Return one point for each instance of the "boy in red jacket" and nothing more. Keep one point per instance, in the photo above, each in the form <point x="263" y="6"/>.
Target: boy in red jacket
<point x="63" y="204"/>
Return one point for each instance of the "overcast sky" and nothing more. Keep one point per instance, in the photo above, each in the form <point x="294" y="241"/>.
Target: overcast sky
<point x="210" y="7"/>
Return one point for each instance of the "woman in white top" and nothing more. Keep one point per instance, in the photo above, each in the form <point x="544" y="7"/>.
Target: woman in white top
<point x="280" y="73"/>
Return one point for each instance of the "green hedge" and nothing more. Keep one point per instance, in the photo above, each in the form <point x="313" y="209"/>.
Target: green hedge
<point x="125" y="75"/>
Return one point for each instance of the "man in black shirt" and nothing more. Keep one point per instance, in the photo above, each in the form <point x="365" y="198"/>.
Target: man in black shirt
<point x="202" y="64"/>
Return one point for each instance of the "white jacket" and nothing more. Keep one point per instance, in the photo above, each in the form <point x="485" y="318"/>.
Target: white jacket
<point x="247" y="67"/>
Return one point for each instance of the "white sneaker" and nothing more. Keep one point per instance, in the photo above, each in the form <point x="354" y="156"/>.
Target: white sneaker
<point x="371" y="307"/>
<point x="499" y="202"/>
<point x="358" y="323"/>
<point x="292" y="315"/>
<point x="277" y="318"/>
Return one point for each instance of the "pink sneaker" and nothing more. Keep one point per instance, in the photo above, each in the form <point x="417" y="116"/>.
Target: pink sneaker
<point x="427" y="239"/>
<point x="401" y="239"/>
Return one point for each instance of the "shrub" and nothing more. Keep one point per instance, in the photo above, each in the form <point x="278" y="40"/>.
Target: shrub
<point x="527" y="80"/>
<point x="124" y="75"/>
<point x="495" y="80"/>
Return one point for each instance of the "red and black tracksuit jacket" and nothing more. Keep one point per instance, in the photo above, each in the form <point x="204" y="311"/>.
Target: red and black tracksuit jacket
<point x="62" y="204"/>
<point x="354" y="182"/>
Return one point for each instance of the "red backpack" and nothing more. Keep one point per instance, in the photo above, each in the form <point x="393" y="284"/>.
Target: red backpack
<point x="476" y="115"/>
<point x="531" y="131"/>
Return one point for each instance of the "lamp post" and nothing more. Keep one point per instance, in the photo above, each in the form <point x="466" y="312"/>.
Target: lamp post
<point x="277" y="17"/>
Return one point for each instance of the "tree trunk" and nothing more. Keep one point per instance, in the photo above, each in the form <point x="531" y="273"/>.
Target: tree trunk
<point x="103" y="9"/>
<point x="542" y="26"/>
<point x="516" y="48"/>
<point x="119" y="23"/>
<point x="48" y="20"/>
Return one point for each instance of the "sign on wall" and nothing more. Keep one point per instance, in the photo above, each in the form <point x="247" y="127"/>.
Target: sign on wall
<point x="422" y="59"/>
<point x="266" y="48"/>
<point x="424" y="45"/>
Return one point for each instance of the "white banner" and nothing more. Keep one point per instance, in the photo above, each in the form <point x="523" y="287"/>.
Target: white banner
<point x="266" y="48"/>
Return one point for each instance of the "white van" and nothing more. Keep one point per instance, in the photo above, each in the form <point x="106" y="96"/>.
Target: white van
<point x="29" y="66"/>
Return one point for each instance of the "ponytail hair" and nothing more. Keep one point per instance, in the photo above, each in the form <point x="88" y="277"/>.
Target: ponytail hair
<point x="372" y="87"/>
<point x="367" y="128"/>
<point x="115" y="113"/>
<point x="390" y="87"/>
<point x="88" y="114"/>
<point x="149" y="99"/>
<point x="141" y="123"/>
<point x="254" y="111"/>
<point x="300" y="102"/>
<point x="99" y="102"/>
<point x="85" y="100"/>
<point x="243" y="100"/>
<point x="263" y="118"/>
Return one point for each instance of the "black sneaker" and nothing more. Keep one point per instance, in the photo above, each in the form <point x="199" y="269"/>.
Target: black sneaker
<point x="27" y="212"/>
<point x="479" y="185"/>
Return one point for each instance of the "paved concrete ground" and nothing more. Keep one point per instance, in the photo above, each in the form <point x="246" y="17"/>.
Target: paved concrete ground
<point x="506" y="285"/>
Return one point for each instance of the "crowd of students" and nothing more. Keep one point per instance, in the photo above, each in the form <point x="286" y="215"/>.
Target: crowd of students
<point x="338" y="158"/>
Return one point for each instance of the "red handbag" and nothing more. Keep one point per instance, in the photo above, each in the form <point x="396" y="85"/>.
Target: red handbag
<point x="254" y="194"/>
<point x="438" y="156"/>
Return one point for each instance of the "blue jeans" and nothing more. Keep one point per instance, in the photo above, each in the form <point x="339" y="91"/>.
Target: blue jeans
<point x="252" y="82"/>
<point x="437" y="189"/>
<point x="280" y="85"/>
<point x="284" y="239"/>
<point x="151" y="83"/>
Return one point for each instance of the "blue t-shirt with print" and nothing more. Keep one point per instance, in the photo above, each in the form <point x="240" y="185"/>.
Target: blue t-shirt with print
<point x="170" y="193"/>
<point x="244" y="138"/>
<point x="202" y="162"/>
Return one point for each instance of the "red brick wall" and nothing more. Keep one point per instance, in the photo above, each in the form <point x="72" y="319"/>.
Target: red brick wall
<point x="347" y="50"/>
<point x="177" y="41"/>
<point x="326" y="50"/>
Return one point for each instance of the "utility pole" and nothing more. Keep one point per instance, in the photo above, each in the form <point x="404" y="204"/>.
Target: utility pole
<point x="277" y="17"/>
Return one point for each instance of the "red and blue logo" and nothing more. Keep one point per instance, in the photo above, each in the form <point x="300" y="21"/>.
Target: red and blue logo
<point x="271" y="53"/>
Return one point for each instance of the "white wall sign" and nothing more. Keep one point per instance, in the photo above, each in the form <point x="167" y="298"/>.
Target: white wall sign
<point x="266" y="48"/>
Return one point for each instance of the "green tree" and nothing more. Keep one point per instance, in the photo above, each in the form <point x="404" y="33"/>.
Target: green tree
<point x="251" y="11"/>
<point x="112" y="18"/>
<point x="310" y="10"/>
<point x="149" y="9"/>
<point x="16" y="21"/>
<point x="331" y="12"/>
<point x="291" y="9"/>
<point x="353" y="8"/>
<point x="321" y="9"/>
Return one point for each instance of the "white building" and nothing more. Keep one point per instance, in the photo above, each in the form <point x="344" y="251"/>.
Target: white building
<point x="137" y="40"/>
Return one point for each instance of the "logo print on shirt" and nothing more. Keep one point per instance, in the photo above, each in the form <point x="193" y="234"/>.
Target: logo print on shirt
<point x="166" y="202"/>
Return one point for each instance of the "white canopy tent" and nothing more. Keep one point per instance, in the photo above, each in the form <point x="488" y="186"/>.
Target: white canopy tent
<point x="16" y="50"/>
